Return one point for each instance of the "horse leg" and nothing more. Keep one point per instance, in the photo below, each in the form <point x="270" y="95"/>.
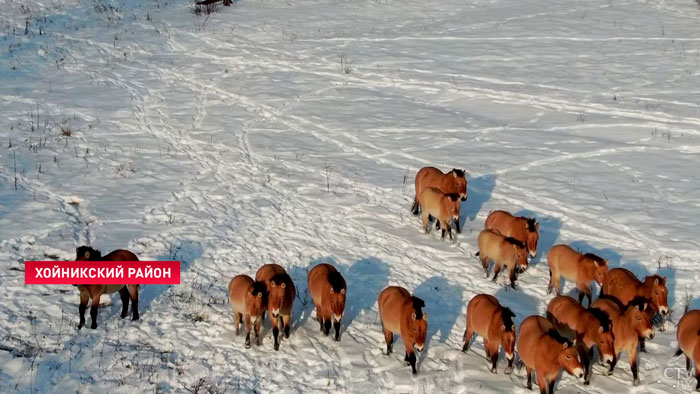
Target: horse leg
<point x="238" y="317"/>
<point x="612" y="365"/>
<point x="687" y="363"/>
<point x="93" y="309"/>
<point x="634" y="367"/>
<point x="496" y="271"/>
<point x="512" y="277"/>
<point x="275" y="332"/>
<point x="449" y="230"/>
<point x="550" y="286"/>
<point x="494" y="359"/>
<point x="389" y="338"/>
<point x="124" y="295"/>
<point x="319" y="318"/>
<point x="425" y="221"/>
<point x="528" y="370"/>
<point x="258" y="323"/>
<point x="458" y="228"/>
<point x="81" y="308"/>
<point x="550" y="386"/>
<point x="247" y="330"/>
<point x="586" y="361"/>
<point x="287" y="320"/>
<point x="484" y="263"/>
<point x="336" y="327"/>
<point x="642" y="347"/>
<point x="542" y="382"/>
<point x="468" y="333"/>
<point x="134" y="292"/>
<point x="410" y="355"/>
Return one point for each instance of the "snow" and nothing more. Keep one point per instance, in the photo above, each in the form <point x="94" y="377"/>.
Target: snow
<point x="290" y="132"/>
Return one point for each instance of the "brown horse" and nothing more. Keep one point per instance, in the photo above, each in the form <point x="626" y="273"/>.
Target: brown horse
<point x="543" y="350"/>
<point x="581" y="268"/>
<point x="503" y="251"/>
<point x="247" y="298"/>
<point x="621" y="284"/>
<point x="493" y="322"/>
<point x="328" y="288"/>
<point x="403" y="314"/>
<point x="280" y="298"/>
<point x="454" y="182"/>
<point x="87" y="292"/>
<point x="628" y="324"/>
<point x="525" y="230"/>
<point x="688" y="336"/>
<point x="589" y="327"/>
<point x="443" y="207"/>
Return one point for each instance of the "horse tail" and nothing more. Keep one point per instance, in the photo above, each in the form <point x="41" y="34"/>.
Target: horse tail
<point x="415" y="209"/>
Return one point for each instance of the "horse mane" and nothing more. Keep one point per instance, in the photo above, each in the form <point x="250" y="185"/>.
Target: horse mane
<point x="602" y="317"/>
<point x="613" y="299"/>
<point x="336" y="281"/>
<point x="552" y="332"/>
<point x="452" y="196"/>
<point x="94" y="253"/>
<point x="596" y="258"/>
<point x="655" y="276"/>
<point x="417" y="305"/>
<point x="259" y="287"/>
<point x="515" y="242"/>
<point x="459" y="173"/>
<point x="531" y="224"/>
<point x="507" y="315"/>
<point x="639" y="301"/>
<point x="281" y="278"/>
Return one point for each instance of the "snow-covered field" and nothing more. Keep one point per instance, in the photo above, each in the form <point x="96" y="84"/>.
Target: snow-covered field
<point x="290" y="132"/>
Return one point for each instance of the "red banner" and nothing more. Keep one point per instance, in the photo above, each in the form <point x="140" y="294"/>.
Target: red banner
<point x="102" y="272"/>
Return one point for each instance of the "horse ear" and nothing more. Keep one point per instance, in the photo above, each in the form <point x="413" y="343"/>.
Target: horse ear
<point x="260" y="294"/>
<point x="573" y="343"/>
<point x="250" y="293"/>
<point x="537" y="227"/>
<point x="87" y="254"/>
<point x="663" y="281"/>
<point x="656" y="282"/>
<point x="413" y="315"/>
<point x="283" y="285"/>
<point x="342" y="291"/>
<point x="564" y="345"/>
<point x="273" y="284"/>
<point x="332" y="290"/>
<point x="425" y="316"/>
<point x="636" y="307"/>
<point x="600" y="330"/>
<point x="512" y="327"/>
<point x="503" y="327"/>
<point x="454" y="173"/>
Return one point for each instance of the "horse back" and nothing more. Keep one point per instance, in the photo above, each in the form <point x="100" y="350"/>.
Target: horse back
<point x="120" y="255"/>
<point x="483" y="311"/>
<point x="392" y="304"/>
<point x="621" y="284"/>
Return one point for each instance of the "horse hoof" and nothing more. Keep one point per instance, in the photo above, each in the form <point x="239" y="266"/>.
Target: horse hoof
<point x="609" y="373"/>
<point x="80" y="326"/>
<point x="277" y="346"/>
<point x="636" y="383"/>
<point x="493" y="370"/>
<point x="508" y="370"/>
<point x="587" y="383"/>
<point x="94" y="326"/>
<point x="135" y="317"/>
<point x="123" y="315"/>
<point x="247" y="344"/>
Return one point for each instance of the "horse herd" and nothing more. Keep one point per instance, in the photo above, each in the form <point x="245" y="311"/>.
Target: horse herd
<point x="618" y="321"/>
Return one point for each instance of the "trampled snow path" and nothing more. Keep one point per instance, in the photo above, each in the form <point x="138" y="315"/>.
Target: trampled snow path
<point x="244" y="140"/>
